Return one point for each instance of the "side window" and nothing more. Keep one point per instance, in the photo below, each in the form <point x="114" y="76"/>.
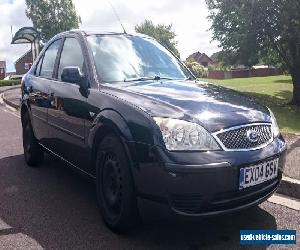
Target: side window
<point x="38" y="67"/>
<point x="71" y="55"/>
<point x="49" y="59"/>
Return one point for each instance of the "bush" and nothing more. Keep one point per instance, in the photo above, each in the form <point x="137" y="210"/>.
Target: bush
<point x="9" y="82"/>
<point x="197" y="69"/>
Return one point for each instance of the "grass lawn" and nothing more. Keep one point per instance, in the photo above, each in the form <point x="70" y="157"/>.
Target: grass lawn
<point x="273" y="91"/>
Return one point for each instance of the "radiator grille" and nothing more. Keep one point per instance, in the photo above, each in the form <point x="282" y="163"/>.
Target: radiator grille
<point x="246" y="137"/>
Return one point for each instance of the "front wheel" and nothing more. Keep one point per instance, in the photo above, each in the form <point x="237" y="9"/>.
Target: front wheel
<point x="115" y="190"/>
<point x="33" y="152"/>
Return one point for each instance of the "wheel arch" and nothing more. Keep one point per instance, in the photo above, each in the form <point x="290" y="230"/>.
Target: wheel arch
<point x="24" y="109"/>
<point x="110" y="121"/>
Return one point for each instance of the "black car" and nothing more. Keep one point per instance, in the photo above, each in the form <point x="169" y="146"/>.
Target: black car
<point x="124" y="111"/>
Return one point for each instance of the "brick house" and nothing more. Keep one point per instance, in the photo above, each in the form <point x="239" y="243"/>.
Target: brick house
<point x="24" y="63"/>
<point x="2" y="70"/>
<point x="201" y="58"/>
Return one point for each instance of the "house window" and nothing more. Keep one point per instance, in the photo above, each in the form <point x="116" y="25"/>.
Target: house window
<point x="1" y="71"/>
<point x="28" y="65"/>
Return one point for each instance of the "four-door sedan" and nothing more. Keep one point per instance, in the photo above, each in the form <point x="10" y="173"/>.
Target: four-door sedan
<point x="123" y="110"/>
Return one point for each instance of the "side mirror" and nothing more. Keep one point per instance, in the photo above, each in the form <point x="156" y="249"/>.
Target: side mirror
<point x="72" y="75"/>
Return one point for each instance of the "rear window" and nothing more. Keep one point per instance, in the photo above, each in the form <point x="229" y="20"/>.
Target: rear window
<point x="49" y="59"/>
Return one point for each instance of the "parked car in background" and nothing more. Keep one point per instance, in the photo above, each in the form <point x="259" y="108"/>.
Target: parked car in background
<point x="122" y="110"/>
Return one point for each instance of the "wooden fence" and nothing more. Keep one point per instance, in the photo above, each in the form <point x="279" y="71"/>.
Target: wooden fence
<point x="243" y="73"/>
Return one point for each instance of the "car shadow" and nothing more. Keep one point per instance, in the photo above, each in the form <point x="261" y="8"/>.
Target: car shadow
<point x="58" y="209"/>
<point x="284" y="81"/>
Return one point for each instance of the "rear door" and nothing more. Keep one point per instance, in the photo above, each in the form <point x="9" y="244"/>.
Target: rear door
<point x="68" y="110"/>
<point x="39" y="89"/>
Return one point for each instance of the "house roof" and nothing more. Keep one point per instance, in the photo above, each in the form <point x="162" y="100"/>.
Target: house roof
<point x="25" y="54"/>
<point x="200" y="57"/>
<point x="205" y="58"/>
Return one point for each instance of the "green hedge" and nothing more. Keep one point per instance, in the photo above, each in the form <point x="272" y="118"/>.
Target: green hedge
<point x="9" y="82"/>
<point x="197" y="69"/>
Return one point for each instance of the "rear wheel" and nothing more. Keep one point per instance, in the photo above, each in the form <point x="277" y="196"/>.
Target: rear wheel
<point x="115" y="191"/>
<point x="33" y="152"/>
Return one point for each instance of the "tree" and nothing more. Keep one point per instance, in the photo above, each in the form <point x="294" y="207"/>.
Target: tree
<point x="52" y="17"/>
<point x="216" y="57"/>
<point x="161" y="32"/>
<point x="225" y="58"/>
<point x="252" y="29"/>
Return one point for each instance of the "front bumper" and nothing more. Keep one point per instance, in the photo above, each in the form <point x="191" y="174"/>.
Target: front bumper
<point x="204" y="183"/>
<point x="216" y="198"/>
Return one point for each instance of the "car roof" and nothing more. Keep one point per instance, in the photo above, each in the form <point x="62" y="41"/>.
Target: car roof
<point x="87" y="32"/>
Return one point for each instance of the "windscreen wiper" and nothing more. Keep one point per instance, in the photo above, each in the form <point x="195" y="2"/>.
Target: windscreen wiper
<point x="190" y="78"/>
<point x="156" y="78"/>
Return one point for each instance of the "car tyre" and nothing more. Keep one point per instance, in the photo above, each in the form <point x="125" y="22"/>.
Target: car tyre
<point x="33" y="152"/>
<point x="115" y="189"/>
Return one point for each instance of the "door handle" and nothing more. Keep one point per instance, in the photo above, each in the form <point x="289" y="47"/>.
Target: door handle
<point x="51" y="96"/>
<point x="29" y="89"/>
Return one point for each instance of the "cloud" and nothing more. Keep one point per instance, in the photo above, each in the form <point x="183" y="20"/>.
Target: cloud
<point x="188" y="18"/>
<point x="12" y="14"/>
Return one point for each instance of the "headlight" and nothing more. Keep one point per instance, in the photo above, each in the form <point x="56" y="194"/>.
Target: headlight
<point x="183" y="135"/>
<point x="275" y="127"/>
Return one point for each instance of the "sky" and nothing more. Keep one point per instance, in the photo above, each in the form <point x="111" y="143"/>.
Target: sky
<point x="188" y="17"/>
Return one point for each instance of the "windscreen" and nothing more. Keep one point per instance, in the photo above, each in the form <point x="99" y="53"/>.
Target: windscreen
<point x="126" y="57"/>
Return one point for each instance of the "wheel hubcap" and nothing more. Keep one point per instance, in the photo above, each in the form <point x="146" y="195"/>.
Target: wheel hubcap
<point x="112" y="183"/>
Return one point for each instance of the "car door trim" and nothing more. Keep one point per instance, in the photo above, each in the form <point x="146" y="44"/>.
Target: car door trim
<point x="40" y="118"/>
<point x="67" y="131"/>
<point x="70" y="163"/>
